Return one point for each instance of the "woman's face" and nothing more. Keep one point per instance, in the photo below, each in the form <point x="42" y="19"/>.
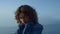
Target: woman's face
<point x="23" y="18"/>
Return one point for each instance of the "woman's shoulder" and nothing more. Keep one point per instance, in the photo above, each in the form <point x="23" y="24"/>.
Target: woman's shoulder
<point x="38" y="26"/>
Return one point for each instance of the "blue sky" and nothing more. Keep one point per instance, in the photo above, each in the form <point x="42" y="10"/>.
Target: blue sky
<point x="48" y="11"/>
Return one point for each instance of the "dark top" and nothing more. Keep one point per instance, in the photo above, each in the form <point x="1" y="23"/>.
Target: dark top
<point x="30" y="28"/>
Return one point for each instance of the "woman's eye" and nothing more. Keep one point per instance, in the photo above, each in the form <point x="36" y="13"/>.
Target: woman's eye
<point x="22" y="17"/>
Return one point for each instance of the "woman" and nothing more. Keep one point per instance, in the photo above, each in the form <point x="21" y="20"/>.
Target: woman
<point x="27" y="19"/>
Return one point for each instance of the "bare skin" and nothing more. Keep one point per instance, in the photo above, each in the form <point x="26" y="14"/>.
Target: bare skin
<point x="23" y="18"/>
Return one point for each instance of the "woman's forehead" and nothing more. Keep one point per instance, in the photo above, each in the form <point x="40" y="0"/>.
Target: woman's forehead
<point x="22" y="14"/>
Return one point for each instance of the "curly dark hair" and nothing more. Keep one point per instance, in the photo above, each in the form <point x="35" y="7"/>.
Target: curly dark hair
<point x="28" y="10"/>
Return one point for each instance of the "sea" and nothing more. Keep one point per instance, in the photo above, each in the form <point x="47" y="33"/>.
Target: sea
<point x="48" y="29"/>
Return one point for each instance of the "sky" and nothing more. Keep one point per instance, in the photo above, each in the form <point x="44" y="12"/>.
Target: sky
<point x="48" y="11"/>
